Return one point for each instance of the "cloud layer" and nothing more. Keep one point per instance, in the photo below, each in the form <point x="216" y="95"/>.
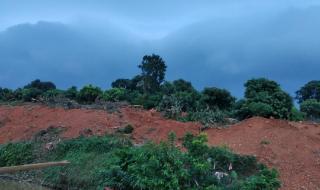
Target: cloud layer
<point x="211" y="44"/>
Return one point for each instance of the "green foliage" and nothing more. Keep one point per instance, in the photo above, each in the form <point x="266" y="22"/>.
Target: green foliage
<point x="50" y="95"/>
<point x="266" y="180"/>
<point x="171" y="106"/>
<point x="153" y="70"/>
<point x="28" y="94"/>
<point x="181" y="85"/>
<point x="148" y="101"/>
<point x="40" y="85"/>
<point x="71" y="93"/>
<point x="311" y="90"/>
<point x="6" y="94"/>
<point x="312" y="108"/>
<point x="110" y="161"/>
<point x="264" y="98"/>
<point x="16" y="154"/>
<point x="297" y="115"/>
<point x="122" y="83"/>
<point x="88" y="157"/>
<point x="215" y="98"/>
<point x="88" y="94"/>
<point x="208" y="118"/>
<point x="115" y="94"/>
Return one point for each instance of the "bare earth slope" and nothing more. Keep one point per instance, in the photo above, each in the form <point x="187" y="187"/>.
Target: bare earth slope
<point x="292" y="148"/>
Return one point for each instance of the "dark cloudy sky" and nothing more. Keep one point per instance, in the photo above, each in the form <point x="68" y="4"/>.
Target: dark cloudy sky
<point x="209" y="42"/>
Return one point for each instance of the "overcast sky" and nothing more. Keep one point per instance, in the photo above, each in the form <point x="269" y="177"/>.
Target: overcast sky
<point x="218" y="43"/>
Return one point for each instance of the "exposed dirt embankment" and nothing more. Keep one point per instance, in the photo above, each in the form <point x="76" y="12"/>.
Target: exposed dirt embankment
<point x="292" y="148"/>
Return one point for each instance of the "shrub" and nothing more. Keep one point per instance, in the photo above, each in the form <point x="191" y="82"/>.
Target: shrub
<point x="115" y="95"/>
<point x="297" y="115"/>
<point x="16" y="154"/>
<point x="29" y="94"/>
<point x="50" y="95"/>
<point x="208" y="118"/>
<point x="265" y="98"/>
<point x="88" y="94"/>
<point x="215" y="98"/>
<point x="71" y="93"/>
<point x="311" y="108"/>
<point x="110" y="161"/>
<point x="6" y="94"/>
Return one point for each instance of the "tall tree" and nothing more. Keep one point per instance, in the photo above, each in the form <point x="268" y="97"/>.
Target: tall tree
<point x="153" y="70"/>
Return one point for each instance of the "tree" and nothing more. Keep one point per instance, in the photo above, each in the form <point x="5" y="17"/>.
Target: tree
<point x="122" y="83"/>
<point x="43" y="86"/>
<point x="88" y="94"/>
<point x="312" y="108"/>
<point x="265" y="98"/>
<point x="311" y="90"/>
<point x="181" y="85"/>
<point x="214" y="98"/>
<point x="153" y="70"/>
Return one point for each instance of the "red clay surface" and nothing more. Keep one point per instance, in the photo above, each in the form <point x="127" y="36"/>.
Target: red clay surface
<point x="293" y="148"/>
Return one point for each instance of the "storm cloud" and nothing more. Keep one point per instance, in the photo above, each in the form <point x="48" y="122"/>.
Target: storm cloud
<point x="212" y="43"/>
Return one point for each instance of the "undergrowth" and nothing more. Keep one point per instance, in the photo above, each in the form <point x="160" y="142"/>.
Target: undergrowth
<point x="114" y="162"/>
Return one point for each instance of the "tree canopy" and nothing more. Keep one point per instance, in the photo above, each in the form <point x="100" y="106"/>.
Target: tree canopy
<point x="153" y="70"/>
<point x="311" y="90"/>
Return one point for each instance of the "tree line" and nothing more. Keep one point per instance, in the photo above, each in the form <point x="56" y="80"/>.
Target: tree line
<point x="263" y="97"/>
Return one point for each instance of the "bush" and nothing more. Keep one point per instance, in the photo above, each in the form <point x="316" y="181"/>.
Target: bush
<point x="89" y="94"/>
<point x="208" y="118"/>
<point x="265" y="98"/>
<point x="297" y="115"/>
<point x="171" y="107"/>
<point x="30" y="93"/>
<point x="215" y="98"/>
<point x="71" y="93"/>
<point x="115" y="95"/>
<point x="311" y="108"/>
<point x="6" y="94"/>
<point x="16" y="154"/>
<point x="50" y="95"/>
<point x="110" y="161"/>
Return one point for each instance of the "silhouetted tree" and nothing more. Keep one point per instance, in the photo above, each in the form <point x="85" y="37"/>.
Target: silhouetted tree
<point x="153" y="70"/>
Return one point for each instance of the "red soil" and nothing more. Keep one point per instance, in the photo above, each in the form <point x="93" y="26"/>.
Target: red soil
<point x="292" y="148"/>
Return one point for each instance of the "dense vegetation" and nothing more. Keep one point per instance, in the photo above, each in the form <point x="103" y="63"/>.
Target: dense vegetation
<point x="262" y="97"/>
<point x="112" y="161"/>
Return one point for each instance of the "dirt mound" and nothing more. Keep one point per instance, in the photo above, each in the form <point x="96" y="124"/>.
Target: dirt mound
<point x="22" y="122"/>
<point x="293" y="148"/>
